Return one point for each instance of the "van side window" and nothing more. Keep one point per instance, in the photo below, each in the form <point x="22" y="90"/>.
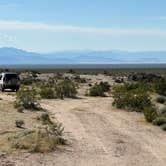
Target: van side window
<point x="0" y="77"/>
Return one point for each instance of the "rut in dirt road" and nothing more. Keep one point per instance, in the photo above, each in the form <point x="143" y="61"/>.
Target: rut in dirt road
<point x="98" y="132"/>
<point x="99" y="135"/>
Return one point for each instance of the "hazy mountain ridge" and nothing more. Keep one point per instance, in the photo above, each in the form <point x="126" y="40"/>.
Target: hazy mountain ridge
<point x="9" y="55"/>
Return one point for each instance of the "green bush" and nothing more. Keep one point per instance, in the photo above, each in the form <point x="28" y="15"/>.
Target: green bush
<point x="160" y="86"/>
<point x="47" y="93"/>
<point x="161" y="99"/>
<point x="96" y="90"/>
<point x="159" y="121"/>
<point x="138" y="85"/>
<point x="27" y="80"/>
<point x="66" y="88"/>
<point x="162" y="111"/>
<point x="27" y="98"/>
<point x="19" y="123"/>
<point x="45" y="119"/>
<point x="105" y="86"/>
<point x="99" y="89"/>
<point x="134" y="99"/>
<point x="150" y="113"/>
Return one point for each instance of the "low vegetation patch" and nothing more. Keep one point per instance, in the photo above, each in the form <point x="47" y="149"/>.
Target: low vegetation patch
<point x="28" y="80"/>
<point x="19" y="123"/>
<point x="130" y="97"/>
<point x="27" y="97"/>
<point x="161" y="99"/>
<point x="66" y="88"/>
<point x="162" y="111"/>
<point x="136" y="97"/>
<point x="159" y="121"/>
<point x="42" y="138"/>
<point x="47" y="93"/>
<point x="78" y="79"/>
<point x="150" y="113"/>
<point x="160" y="86"/>
<point x="99" y="89"/>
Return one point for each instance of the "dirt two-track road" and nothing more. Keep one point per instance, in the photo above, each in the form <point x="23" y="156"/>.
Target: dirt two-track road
<point x="100" y="135"/>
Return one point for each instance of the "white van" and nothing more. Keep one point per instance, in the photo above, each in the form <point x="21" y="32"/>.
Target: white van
<point x="9" y="81"/>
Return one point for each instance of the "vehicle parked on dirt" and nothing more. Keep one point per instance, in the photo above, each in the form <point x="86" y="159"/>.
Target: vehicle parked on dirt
<point x="9" y="81"/>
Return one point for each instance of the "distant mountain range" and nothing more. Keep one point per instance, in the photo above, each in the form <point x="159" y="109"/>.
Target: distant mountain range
<point x="9" y="55"/>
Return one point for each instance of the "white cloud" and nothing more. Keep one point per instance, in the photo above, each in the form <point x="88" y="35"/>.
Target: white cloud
<point x="19" y="25"/>
<point x="160" y="18"/>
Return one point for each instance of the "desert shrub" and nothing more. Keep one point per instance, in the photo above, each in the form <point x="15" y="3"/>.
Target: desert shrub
<point x="27" y="80"/>
<point x="78" y="79"/>
<point x="19" y="123"/>
<point x="27" y="98"/>
<point x="150" y="113"/>
<point x="45" y="119"/>
<point x="51" y="81"/>
<point x="163" y="127"/>
<point x="47" y="93"/>
<point x="160" y="86"/>
<point x="42" y="138"/>
<point x="159" y="121"/>
<point x="143" y="77"/>
<point x="105" y="86"/>
<point x="162" y="111"/>
<point x="66" y="88"/>
<point x="96" y="90"/>
<point x="71" y="71"/>
<point x="105" y="72"/>
<point x="119" y="80"/>
<point x="99" y="89"/>
<point x="138" y="85"/>
<point x="133" y="99"/>
<point x="34" y="73"/>
<point x="31" y="78"/>
<point x="161" y="99"/>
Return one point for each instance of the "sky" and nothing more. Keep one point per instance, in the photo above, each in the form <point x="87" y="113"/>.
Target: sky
<point x="60" y="25"/>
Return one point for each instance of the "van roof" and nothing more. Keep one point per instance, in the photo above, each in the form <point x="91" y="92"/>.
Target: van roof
<point x="4" y="73"/>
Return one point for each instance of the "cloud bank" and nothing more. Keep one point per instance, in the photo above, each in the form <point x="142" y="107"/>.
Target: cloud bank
<point x="19" y="25"/>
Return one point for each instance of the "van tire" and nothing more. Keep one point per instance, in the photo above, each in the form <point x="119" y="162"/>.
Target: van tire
<point x="13" y="90"/>
<point x="17" y="89"/>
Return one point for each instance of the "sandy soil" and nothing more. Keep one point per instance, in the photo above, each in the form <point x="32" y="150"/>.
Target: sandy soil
<point x="99" y="136"/>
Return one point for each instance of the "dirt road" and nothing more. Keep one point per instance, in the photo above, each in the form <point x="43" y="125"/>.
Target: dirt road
<point x="100" y="136"/>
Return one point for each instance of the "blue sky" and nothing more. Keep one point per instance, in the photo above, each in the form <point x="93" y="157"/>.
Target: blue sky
<point x="53" y="25"/>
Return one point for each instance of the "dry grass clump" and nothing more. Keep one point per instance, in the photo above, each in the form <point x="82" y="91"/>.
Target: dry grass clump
<point x="42" y="138"/>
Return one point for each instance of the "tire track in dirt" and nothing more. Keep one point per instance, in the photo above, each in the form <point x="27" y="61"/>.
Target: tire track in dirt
<point x="109" y="134"/>
<point x="101" y="136"/>
<point x="118" y="144"/>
